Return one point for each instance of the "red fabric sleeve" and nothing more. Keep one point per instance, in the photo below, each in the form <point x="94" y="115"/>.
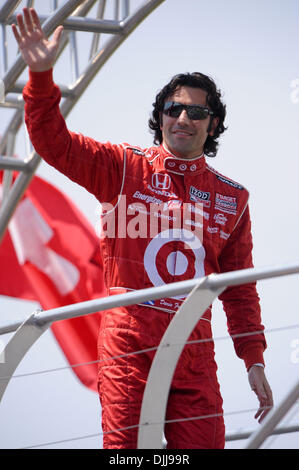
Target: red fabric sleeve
<point x="96" y="166"/>
<point x="241" y="303"/>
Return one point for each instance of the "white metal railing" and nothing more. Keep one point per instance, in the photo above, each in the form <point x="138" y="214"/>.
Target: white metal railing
<point x="203" y="292"/>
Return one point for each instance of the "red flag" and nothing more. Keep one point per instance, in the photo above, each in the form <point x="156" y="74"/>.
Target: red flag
<point x="50" y="254"/>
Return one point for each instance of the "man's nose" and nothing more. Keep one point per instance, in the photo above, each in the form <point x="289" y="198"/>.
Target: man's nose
<point x="183" y="117"/>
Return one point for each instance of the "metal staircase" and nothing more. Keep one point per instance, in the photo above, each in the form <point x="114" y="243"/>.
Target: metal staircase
<point x="106" y="24"/>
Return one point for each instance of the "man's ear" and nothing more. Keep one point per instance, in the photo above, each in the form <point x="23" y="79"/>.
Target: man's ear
<point x="160" y="120"/>
<point x="213" y="125"/>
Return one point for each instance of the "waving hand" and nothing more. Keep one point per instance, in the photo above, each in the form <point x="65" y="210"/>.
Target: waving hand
<point x="38" y="52"/>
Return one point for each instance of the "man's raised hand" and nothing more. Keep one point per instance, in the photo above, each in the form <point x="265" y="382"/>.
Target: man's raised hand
<point x="38" y="52"/>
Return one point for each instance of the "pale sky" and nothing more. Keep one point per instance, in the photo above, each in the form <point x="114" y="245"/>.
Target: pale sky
<point x="250" y="48"/>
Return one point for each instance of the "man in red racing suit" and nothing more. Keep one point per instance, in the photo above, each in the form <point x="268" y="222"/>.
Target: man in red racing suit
<point x="167" y="216"/>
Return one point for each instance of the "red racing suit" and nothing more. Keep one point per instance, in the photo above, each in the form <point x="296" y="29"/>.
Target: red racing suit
<point x="164" y="220"/>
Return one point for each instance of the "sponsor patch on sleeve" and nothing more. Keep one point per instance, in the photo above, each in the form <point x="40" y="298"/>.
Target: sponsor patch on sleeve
<point x="137" y="151"/>
<point x="229" y="182"/>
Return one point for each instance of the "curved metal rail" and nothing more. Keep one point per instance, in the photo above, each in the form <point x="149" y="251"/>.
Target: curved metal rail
<point x="204" y="291"/>
<point x="159" y="379"/>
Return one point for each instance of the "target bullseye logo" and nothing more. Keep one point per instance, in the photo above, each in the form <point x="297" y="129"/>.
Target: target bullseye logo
<point x="177" y="263"/>
<point x="174" y="255"/>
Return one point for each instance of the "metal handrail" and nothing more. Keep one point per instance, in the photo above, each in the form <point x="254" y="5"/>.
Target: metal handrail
<point x="245" y="434"/>
<point x="213" y="282"/>
<point x="203" y="292"/>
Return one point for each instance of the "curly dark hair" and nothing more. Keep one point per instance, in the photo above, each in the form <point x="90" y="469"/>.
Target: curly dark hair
<point x="194" y="80"/>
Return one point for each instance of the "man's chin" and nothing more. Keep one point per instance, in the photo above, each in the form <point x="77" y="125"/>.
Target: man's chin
<point x="180" y="151"/>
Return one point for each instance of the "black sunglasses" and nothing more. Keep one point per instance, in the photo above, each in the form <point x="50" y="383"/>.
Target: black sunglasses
<point x="194" y="111"/>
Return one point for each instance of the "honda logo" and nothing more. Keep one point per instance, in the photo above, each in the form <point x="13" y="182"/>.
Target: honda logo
<point x="161" y="181"/>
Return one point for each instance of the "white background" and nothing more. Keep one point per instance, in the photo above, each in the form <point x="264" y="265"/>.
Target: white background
<point x="251" y="49"/>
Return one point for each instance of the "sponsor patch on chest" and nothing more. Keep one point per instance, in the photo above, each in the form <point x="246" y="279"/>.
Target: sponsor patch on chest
<point x="197" y="195"/>
<point x="220" y="219"/>
<point x="226" y="204"/>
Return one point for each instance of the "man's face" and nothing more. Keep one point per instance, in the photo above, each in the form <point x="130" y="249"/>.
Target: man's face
<point x="184" y="137"/>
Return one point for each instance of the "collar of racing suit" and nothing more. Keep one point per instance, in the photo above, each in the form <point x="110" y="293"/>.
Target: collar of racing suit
<point x="183" y="166"/>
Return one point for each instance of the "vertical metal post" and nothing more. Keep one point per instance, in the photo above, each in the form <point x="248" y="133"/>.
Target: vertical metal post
<point x="155" y="397"/>
<point x="125" y="9"/>
<point x="16" y="349"/>
<point x="116" y="10"/>
<point x="7" y="178"/>
<point x="96" y="36"/>
<point x="4" y="62"/>
<point x="74" y="55"/>
<point x="54" y="4"/>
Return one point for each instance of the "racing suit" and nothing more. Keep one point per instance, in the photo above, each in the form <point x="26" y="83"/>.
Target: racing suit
<point x="164" y="220"/>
